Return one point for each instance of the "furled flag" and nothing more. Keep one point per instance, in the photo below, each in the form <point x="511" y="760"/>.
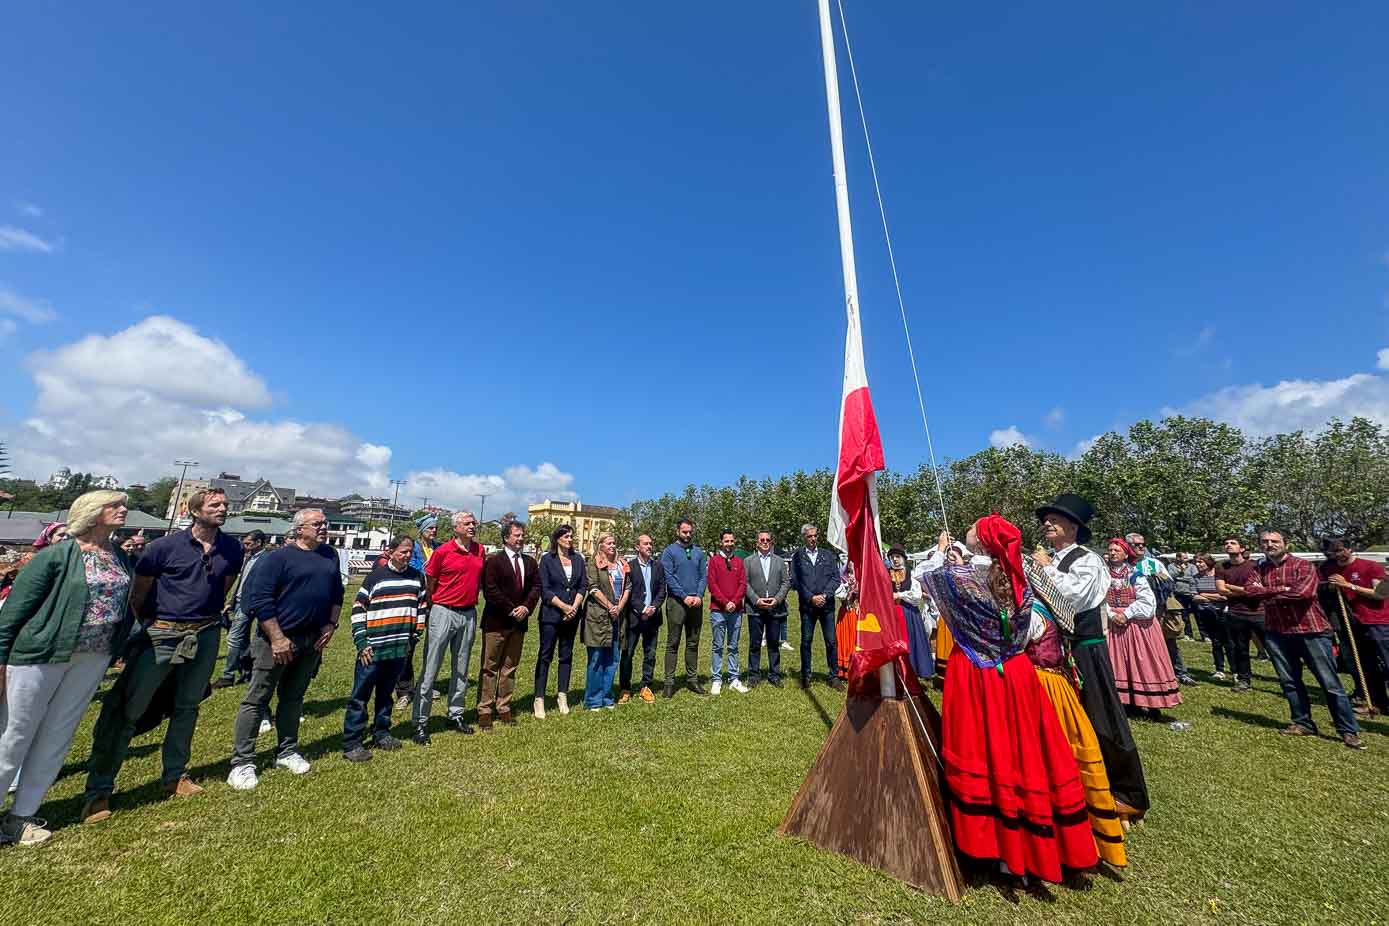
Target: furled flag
<point x="881" y="633"/>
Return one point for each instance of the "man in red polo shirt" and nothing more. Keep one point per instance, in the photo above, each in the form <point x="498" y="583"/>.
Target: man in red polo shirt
<point x="453" y="574"/>
<point x="1364" y="590"/>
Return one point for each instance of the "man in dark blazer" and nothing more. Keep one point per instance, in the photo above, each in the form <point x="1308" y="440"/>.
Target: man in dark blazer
<point x="511" y="590"/>
<point x="647" y="579"/>
<point x="769" y="581"/>
<point x="816" y="576"/>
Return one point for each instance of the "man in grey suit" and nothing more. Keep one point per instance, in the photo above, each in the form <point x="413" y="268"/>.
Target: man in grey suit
<point x="769" y="579"/>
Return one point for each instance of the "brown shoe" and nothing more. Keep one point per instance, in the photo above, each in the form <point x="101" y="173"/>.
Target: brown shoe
<point x="484" y="722"/>
<point x="506" y="718"/>
<point x="96" y="810"/>
<point x="647" y="696"/>
<point x="184" y="787"/>
<point x="624" y="698"/>
<point x="1352" y="741"/>
<point x="1296" y="729"/>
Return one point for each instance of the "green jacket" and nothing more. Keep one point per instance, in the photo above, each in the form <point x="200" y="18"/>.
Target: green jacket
<point x="41" y="619"/>
<point x="599" y="625"/>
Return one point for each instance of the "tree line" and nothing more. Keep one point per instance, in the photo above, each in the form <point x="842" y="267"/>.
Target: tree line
<point x="1185" y="483"/>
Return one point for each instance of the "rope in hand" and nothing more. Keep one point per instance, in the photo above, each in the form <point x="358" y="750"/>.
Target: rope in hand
<point x="1354" y="649"/>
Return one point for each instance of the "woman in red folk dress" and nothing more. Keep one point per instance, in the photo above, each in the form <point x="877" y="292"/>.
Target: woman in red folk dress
<point x="1013" y="786"/>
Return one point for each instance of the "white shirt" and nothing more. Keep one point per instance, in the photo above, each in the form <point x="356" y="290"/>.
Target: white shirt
<point x="766" y="560"/>
<point x="1146" y="603"/>
<point x="1086" y="585"/>
<point x="813" y="555"/>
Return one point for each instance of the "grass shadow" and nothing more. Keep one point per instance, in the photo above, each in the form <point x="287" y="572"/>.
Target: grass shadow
<point x="1256" y="720"/>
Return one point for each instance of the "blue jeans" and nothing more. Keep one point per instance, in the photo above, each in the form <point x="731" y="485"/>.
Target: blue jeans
<point x="377" y="679"/>
<point x="727" y="627"/>
<point x="238" y="642"/>
<point x="1289" y="651"/>
<point x="598" y="682"/>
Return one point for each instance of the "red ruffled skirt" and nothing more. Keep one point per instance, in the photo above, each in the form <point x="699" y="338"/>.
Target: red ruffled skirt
<point x="1014" y="789"/>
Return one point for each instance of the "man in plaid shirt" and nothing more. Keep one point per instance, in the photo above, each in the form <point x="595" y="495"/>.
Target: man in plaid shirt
<point x="1297" y="632"/>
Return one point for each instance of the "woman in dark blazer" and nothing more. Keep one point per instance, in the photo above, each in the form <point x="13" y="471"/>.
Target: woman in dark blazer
<point x="563" y="581"/>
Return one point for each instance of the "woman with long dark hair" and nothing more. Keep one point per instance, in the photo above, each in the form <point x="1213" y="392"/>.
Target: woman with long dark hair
<point x="563" y="582"/>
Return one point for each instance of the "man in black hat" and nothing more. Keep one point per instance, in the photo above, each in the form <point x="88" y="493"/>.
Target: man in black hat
<point x="1082" y="577"/>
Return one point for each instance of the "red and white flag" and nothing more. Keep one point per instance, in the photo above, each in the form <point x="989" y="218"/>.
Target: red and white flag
<point x="880" y="636"/>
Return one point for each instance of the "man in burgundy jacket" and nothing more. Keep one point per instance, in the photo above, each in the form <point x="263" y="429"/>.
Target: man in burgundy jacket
<point x="511" y="589"/>
<point x="728" y="582"/>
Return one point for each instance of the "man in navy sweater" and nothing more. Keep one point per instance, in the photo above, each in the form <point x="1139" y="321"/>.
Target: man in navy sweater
<point x="295" y="596"/>
<point x="816" y="576"/>
<point x="687" y="574"/>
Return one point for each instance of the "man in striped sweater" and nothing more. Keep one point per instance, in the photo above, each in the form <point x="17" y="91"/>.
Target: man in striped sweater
<point x="387" y="614"/>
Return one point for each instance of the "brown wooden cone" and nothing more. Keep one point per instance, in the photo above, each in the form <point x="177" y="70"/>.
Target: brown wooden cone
<point x="874" y="794"/>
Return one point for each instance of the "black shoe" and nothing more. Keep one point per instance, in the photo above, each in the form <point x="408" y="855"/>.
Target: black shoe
<point x="461" y="725"/>
<point x="697" y="688"/>
<point x="776" y="683"/>
<point x="670" y="690"/>
<point x="357" y="753"/>
<point x="837" y="684"/>
<point x="222" y="682"/>
<point x="421" y="737"/>
<point x="754" y="682"/>
<point x="386" y="741"/>
<point x="805" y="682"/>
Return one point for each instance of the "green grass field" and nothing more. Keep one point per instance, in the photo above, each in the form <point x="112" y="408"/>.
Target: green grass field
<point x="667" y="813"/>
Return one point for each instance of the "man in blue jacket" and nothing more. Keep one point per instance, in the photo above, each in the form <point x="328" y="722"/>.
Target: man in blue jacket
<point x="816" y="576"/>
<point x="687" y="573"/>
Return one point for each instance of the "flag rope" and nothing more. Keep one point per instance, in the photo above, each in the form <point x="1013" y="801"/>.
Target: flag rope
<point x="892" y="262"/>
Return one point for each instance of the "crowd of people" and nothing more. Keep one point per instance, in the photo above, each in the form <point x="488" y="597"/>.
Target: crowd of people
<point x="1060" y="649"/>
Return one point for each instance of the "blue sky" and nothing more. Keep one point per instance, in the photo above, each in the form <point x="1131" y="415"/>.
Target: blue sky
<point x="452" y="245"/>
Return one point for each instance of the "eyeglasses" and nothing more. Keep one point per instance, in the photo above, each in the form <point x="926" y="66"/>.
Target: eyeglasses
<point x="207" y="563"/>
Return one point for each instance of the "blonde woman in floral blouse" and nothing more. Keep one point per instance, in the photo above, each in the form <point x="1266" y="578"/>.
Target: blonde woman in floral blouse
<point x="67" y="615"/>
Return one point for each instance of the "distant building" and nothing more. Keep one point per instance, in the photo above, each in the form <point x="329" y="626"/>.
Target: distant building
<point x="588" y="521"/>
<point x="245" y="495"/>
<point x="372" y="509"/>
<point x="64" y="476"/>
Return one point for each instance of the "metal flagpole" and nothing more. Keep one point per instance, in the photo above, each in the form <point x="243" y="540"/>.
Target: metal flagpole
<point x="887" y="683"/>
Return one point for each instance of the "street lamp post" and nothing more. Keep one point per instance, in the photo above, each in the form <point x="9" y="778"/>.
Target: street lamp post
<point x="173" y="508"/>
<point x="395" y="501"/>
<point x="481" y="509"/>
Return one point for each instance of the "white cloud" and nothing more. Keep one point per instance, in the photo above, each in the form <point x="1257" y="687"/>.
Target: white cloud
<point x="513" y="490"/>
<point x="7" y="328"/>
<point x="1007" y="437"/>
<point x="1082" y="446"/>
<point x="30" y="310"/>
<point x="17" y="239"/>
<point x="29" y="209"/>
<point x="1384" y="359"/>
<point x="1055" y="418"/>
<point x="1294" y="405"/>
<point x="132" y="402"/>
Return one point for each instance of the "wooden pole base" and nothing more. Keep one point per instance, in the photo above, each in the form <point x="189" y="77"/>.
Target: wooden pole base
<point x="874" y="794"/>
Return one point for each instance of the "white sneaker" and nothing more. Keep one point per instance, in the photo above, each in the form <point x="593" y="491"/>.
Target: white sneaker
<point x="264" y="727"/>
<point x="243" y="778"/>
<point x="738" y="686"/>
<point x="718" y="686"/>
<point x="1219" y="675"/>
<point x="24" y="831"/>
<point x="786" y="646"/>
<point x="539" y="708"/>
<point x="563" y="700"/>
<point x="294" y="762"/>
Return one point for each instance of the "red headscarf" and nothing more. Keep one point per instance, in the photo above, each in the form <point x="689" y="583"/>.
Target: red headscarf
<point x="1003" y="541"/>
<point x="1129" y="551"/>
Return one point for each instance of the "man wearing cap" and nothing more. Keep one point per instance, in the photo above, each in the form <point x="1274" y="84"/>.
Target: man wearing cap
<point x="428" y="526"/>
<point x="1083" y="578"/>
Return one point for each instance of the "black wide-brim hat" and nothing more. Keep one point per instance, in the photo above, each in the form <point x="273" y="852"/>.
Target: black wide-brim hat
<point x="1076" y="509"/>
<point x="895" y="551"/>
